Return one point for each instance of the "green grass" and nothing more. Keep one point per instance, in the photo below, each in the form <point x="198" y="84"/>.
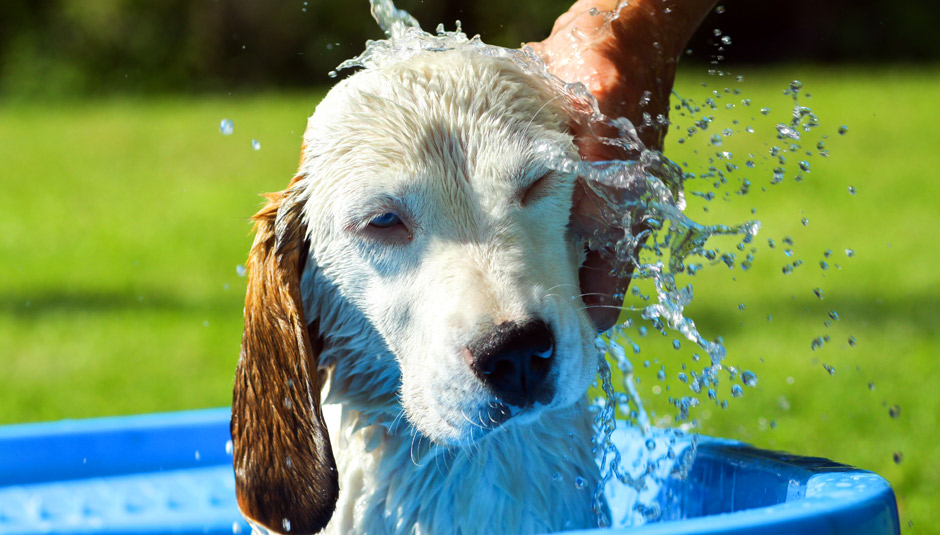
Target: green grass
<point x="123" y="223"/>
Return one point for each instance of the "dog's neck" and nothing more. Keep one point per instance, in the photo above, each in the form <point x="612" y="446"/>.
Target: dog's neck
<point x="532" y="478"/>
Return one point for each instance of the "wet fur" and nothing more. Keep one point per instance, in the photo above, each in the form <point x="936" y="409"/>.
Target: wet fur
<point x="352" y="345"/>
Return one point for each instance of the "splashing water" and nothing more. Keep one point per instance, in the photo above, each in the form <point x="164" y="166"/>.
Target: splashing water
<point x="645" y="192"/>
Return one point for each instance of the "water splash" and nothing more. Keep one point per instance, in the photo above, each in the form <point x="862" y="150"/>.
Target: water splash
<point x="643" y="194"/>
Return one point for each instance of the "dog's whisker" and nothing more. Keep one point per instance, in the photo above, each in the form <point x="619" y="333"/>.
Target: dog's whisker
<point x="525" y="129"/>
<point x="559" y="286"/>
<point x="586" y="294"/>
<point x="395" y="421"/>
<point x="471" y="422"/>
<point x="592" y="307"/>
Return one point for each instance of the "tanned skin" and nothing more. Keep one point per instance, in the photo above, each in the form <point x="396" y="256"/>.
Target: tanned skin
<point x="620" y="51"/>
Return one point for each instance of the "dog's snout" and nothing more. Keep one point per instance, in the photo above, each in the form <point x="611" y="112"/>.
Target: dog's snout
<point x="514" y="360"/>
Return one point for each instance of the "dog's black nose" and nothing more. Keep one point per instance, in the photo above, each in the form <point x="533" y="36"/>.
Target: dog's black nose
<point x="514" y="360"/>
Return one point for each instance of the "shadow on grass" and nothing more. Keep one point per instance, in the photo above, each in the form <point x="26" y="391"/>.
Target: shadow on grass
<point x="35" y="306"/>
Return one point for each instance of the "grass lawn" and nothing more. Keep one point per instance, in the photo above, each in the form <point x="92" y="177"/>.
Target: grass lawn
<point x="124" y="223"/>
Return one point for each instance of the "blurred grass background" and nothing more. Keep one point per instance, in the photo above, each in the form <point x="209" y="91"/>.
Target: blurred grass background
<point x="124" y="216"/>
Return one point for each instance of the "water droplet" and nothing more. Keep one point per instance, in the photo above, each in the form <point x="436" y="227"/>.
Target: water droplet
<point x="852" y="341"/>
<point x="556" y="477"/>
<point x="286" y="524"/>
<point x="229" y="447"/>
<point x="580" y="483"/>
<point x="236" y="528"/>
<point x="226" y="126"/>
<point x="255" y="144"/>
<point x="804" y="165"/>
<point x="716" y="32"/>
<point x="894" y="411"/>
<point x="805" y="221"/>
<point x="650" y="444"/>
<point x="898" y="457"/>
<point x="288" y="462"/>
<point x="843" y="129"/>
<point x="676" y="344"/>
<point x="197" y="455"/>
<point x="661" y="375"/>
<point x="785" y="131"/>
<point x="852" y="190"/>
<point x="764" y="111"/>
<point x="593" y="11"/>
<point x="819" y="293"/>
<point x="716" y="140"/>
<point x="871" y="385"/>
<point x="737" y="391"/>
<point x="332" y="74"/>
<point x="834" y="315"/>
<point x="823" y="265"/>
<point x="830" y="369"/>
<point x="741" y="306"/>
<point x="796" y="85"/>
<point x="749" y="378"/>
<point x="240" y="270"/>
<point x="288" y="404"/>
<point x="726" y="40"/>
<point x="720" y="9"/>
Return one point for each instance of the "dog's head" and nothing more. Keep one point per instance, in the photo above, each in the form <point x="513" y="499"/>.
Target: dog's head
<point x="425" y="222"/>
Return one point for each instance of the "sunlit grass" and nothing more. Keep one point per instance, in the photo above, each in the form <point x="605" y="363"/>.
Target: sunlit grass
<point x="123" y="223"/>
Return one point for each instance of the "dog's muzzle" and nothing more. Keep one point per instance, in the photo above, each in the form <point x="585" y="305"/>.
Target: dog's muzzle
<point x="514" y="362"/>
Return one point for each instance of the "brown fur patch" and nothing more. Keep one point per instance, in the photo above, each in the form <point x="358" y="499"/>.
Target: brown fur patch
<point x="285" y="473"/>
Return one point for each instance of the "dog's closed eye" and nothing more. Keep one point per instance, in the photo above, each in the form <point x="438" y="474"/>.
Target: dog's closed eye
<point x="536" y="190"/>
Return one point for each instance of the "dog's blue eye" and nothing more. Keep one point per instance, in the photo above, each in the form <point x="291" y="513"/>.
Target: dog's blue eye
<point x="386" y="220"/>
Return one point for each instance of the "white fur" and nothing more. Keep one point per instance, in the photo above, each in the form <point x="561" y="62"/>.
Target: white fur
<point x="445" y="139"/>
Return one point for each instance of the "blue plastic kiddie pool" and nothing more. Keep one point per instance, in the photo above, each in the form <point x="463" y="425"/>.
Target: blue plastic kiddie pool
<point x="172" y="473"/>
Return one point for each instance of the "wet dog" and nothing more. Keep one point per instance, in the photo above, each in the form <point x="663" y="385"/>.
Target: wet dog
<point x="416" y="350"/>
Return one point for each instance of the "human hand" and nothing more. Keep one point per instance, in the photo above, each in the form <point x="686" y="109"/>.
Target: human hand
<point x="625" y="53"/>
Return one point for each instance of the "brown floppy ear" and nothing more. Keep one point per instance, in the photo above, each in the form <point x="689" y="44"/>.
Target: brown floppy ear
<point x="285" y="474"/>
